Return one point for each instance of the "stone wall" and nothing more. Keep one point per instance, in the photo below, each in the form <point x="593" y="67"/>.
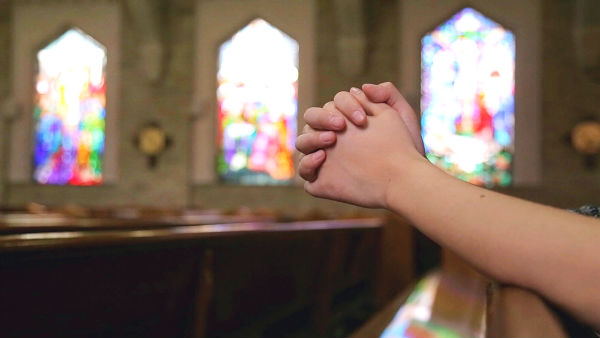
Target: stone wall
<point x="4" y="87"/>
<point x="567" y="97"/>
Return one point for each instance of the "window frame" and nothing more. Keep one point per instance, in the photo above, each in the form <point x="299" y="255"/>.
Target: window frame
<point x="509" y="31"/>
<point x="523" y="19"/>
<point x="296" y="18"/>
<point x="90" y="18"/>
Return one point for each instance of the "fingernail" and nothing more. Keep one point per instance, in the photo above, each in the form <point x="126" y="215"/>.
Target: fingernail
<point x="326" y="137"/>
<point x="358" y="116"/>
<point x="355" y="90"/>
<point x="337" y="121"/>
<point x="319" y="155"/>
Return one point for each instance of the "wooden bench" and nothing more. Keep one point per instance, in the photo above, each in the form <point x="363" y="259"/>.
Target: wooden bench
<point x="464" y="304"/>
<point x="184" y="280"/>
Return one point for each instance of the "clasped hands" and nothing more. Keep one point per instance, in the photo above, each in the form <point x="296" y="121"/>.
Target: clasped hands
<point x="356" y="147"/>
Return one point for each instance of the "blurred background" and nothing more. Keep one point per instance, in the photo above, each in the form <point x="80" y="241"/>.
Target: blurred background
<point x="159" y="79"/>
<point x="178" y="119"/>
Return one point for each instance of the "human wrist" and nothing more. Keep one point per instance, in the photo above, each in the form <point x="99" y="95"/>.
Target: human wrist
<point x="407" y="184"/>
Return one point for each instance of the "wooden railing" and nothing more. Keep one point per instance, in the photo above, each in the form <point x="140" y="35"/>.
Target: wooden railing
<point x="456" y="301"/>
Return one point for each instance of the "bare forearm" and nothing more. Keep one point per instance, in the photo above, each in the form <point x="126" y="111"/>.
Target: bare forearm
<point x="538" y="247"/>
<point x="549" y="250"/>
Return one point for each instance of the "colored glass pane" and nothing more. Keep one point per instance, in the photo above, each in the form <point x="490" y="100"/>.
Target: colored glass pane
<point x="70" y="101"/>
<point x="467" y="101"/>
<point x="257" y="105"/>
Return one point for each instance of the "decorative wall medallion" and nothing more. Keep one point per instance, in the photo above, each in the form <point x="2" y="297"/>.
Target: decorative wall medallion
<point x="585" y="139"/>
<point x="152" y="141"/>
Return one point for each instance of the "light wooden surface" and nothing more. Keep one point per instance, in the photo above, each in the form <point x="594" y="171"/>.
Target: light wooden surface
<point x="472" y="305"/>
<point x="173" y="232"/>
<point x="516" y="312"/>
<point x="375" y="326"/>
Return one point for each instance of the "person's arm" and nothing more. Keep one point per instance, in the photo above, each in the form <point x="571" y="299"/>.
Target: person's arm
<point x="552" y="251"/>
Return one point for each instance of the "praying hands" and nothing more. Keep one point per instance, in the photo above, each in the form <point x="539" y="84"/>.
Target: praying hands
<point x="365" y="148"/>
<point x="365" y="157"/>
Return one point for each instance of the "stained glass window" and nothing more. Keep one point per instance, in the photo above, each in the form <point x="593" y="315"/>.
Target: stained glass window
<point x="467" y="98"/>
<point x="257" y="105"/>
<point x="69" y="111"/>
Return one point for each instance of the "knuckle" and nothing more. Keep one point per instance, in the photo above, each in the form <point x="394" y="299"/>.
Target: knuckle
<point x="348" y="102"/>
<point x="307" y="113"/>
<point x="329" y="112"/>
<point x="308" y="175"/>
<point x="302" y="175"/>
<point x="306" y="148"/>
<point x="340" y="96"/>
<point x="303" y="171"/>
<point x="299" y="143"/>
<point x="302" y="166"/>
<point x="312" y="162"/>
<point x="329" y="106"/>
<point x="311" y="112"/>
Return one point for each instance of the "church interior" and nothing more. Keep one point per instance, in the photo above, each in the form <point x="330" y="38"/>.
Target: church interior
<point x="149" y="184"/>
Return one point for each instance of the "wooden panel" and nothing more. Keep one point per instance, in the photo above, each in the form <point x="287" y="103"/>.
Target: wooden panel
<point x="396" y="268"/>
<point x="126" y="219"/>
<point x="469" y="304"/>
<point x="375" y="326"/>
<point x="249" y="279"/>
<point x="142" y="292"/>
<point x="516" y="312"/>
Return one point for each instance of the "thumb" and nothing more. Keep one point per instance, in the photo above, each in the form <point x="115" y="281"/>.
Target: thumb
<point x="388" y="93"/>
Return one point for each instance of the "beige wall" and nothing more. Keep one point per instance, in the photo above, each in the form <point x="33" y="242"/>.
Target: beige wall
<point x="4" y="87"/>
<point x="566" y="98"/>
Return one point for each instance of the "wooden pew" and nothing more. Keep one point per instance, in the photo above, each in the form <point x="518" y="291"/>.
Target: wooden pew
<point x="515" y="312"/>
<point x="464" y="304"/>
<point x="182" y="280"/>
<point x="118" y="219"/>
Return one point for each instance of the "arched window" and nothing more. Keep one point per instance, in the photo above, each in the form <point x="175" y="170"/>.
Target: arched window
<point x="66" y="84"/>
<point x="257" y="97"/>
<point x="467" y="98"/>
<point x="253" y="73"/>
<point x="69" y="111"/>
